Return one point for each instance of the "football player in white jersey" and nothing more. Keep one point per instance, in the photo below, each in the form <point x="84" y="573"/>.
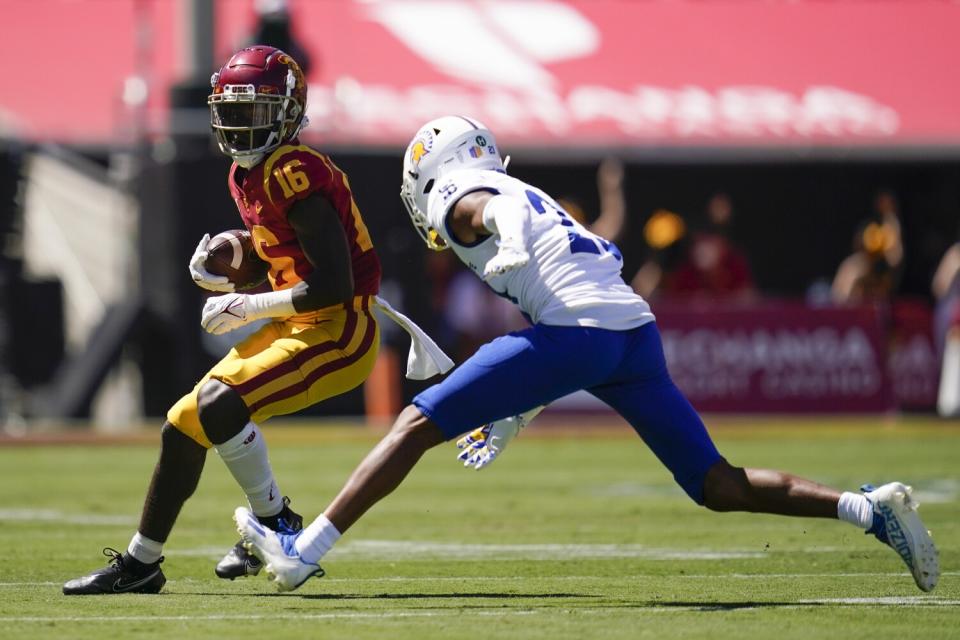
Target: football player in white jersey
<point x="589" y="331"/>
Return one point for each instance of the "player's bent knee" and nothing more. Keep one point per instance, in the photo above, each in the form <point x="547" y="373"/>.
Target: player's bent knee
<point x="175" y="443"/>
<point x="182" y="459"/>
<point x="726" y="488"/>
<point x="414" y="427"/>
<point x="222" y="412"/>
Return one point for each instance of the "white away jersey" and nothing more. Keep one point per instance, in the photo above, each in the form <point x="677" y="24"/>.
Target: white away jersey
<point x="573" y="277"/>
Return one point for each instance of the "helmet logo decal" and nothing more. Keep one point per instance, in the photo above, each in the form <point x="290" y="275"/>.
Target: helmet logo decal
<point x="476" y="152"/>
<point x="421" y="146"/>
<point x="417" y="152"/>
<point x="481" y="141"/>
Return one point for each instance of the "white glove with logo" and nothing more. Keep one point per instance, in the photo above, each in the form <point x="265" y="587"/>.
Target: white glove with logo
<point x="201" y="276"/>
<point x="226" y="313"/>
<point x="482" y="446"/>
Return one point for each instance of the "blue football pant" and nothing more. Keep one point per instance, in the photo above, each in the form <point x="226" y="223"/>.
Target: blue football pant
<point x="624" y="369"/>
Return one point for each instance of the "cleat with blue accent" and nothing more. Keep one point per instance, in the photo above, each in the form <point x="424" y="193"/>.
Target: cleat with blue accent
<point x="276" y="550"/>
<point x="239" y="563"/>
<point x="125" y="574"/>
<point x="896" y="524"/>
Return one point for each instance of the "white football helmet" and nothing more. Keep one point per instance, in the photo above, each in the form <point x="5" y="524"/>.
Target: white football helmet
<point x="441" y="146"/>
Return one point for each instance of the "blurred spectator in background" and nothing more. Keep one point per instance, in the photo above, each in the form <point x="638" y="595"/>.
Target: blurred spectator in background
<point x="476" y="314"/>
<point x="872" y="272"/>
<point x="946" y="291"/>
<point x="439" y="268"/>
<point x="610" y="219"/>
<point x="665" y="236"/>
<point x="273" y="28"/>
<point x="715" y="267"/>
<point x="946" y="326"/>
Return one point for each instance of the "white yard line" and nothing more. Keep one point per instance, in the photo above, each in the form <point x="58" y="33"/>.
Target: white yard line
<point x="631" y="577"/>
<point x="394" y="549"/>
<point x="910" y="601"/>
<point x="53" y="515"/>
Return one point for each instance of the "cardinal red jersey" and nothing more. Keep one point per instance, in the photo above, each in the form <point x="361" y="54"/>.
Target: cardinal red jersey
<point x="264" y="196"/>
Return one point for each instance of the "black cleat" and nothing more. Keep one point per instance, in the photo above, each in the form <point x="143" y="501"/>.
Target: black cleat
<point x="239" y="563"/>
<point x="125" y="574"/>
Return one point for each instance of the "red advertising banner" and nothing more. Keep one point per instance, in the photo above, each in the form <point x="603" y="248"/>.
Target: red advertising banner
<point x="778" y="358"/>
<point x="561" y="73"/>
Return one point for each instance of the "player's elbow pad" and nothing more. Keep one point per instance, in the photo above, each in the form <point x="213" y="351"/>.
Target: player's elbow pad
<point x="509" y="217"/>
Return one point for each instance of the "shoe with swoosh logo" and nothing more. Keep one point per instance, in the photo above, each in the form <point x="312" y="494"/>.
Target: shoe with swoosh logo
<point x="125" y="574"/>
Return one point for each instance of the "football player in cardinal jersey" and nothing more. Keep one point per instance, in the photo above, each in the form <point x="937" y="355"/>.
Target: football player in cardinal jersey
<point x="323" y="339"/>
<point x="589" y="331"/>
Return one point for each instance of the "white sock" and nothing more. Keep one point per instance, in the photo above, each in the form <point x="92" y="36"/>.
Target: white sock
<point x="245" y="455"/>
<point x="855" y="509"/>
<point x="144" y="549"/>
<point x="317" y="538"/>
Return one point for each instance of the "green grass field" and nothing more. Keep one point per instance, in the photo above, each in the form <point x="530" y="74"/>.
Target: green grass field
<point x="566" y="536"/>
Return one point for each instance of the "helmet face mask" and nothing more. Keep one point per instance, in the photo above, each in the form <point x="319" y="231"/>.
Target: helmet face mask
<point x="419" y="219"/>
<point x="442" y="145"/>
<point x="257" y="103"/>
<point x="245" y="127"/>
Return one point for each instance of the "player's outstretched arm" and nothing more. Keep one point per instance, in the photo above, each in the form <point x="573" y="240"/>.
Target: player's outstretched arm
<point x="324" y="243"/>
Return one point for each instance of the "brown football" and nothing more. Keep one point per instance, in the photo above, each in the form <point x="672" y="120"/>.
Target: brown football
<point x="231" y="254"/>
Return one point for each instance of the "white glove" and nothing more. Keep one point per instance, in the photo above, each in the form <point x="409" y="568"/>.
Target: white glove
<point x="201" y="276"/>
<point x="226" y="313"/>
<point x="507" y="259"/>
<point x="482" y="446"/>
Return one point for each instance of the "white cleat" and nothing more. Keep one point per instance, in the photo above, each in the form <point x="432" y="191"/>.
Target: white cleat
<point x="896" y="523"/>
<point x="276" y="550"/>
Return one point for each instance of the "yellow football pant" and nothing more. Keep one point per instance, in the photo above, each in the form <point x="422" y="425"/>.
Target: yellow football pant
<point x="286" y="366"/>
